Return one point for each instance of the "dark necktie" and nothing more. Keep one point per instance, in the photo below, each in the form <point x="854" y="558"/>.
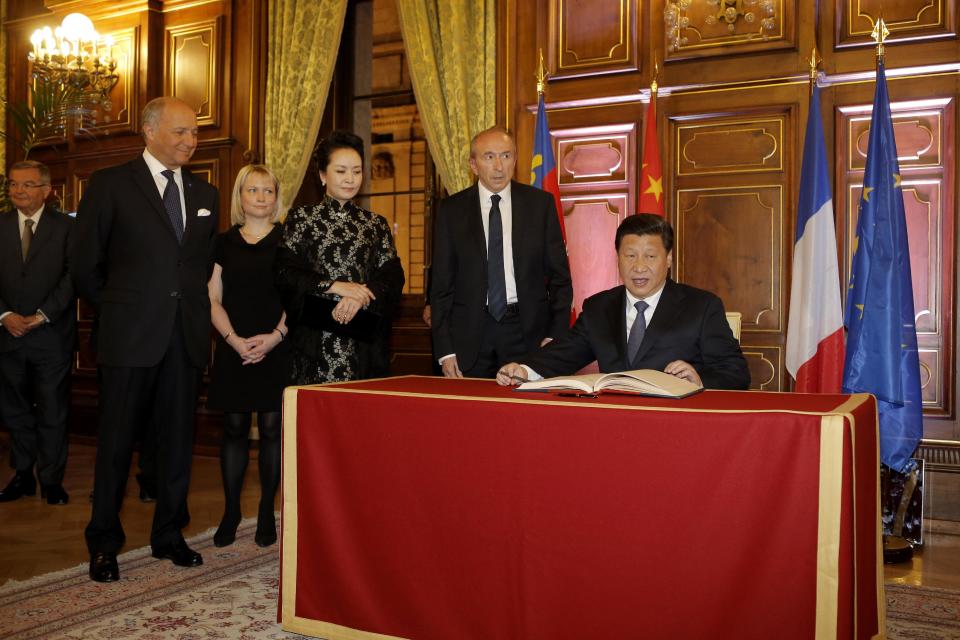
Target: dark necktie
<point x="496" y="280"/>
<point x="26" y="238"/>
<point x="636" y="332"/>
<point x="171" y="202"/>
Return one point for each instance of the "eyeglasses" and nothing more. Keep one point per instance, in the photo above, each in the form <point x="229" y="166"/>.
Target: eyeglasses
<point x="26" y="185"/>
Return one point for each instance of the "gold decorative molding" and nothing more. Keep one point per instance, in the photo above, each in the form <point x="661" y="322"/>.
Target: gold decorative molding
<point x="930" y="373"/>
<point x="689" y="135"/>
<point x="762" y="355"/>
<point x="697" y="199"/>
<point x="610" y="28"/>
<point x="690" y="25"/>
<point x="193" y="57"/>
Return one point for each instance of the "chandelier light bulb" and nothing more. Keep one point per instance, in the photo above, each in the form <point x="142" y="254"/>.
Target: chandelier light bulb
<point x="77" y="27"/>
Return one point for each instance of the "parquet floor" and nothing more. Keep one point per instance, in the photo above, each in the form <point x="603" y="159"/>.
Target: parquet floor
<point x="36" y="538"/>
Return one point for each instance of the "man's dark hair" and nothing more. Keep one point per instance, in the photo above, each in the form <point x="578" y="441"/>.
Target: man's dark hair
<point x="338" y="139"/>
<point x="646" y="224"/>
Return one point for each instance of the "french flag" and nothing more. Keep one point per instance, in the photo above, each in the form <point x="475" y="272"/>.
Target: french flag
<point x="815" y="331"/>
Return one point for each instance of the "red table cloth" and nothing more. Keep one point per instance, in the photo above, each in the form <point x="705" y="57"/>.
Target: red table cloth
<point x="438" y="509"/>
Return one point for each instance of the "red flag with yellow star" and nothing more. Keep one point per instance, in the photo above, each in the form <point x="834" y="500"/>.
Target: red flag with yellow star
<point x="651" y="174"/>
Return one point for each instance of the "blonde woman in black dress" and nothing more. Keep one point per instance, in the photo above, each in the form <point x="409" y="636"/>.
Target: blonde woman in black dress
<point x="251" y="362"/>
<point x="341" y="251"/>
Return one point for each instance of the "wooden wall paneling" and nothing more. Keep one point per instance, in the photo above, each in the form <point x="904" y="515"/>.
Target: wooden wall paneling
<point x="906" y="19"/>
<point x="194" y="58"/>
<point x="923" y="130"/>
<point x="590" y="38"/>
<point x="597" y="172"/>
<point x="727" y="27"/>
<point x="729" y="176"/>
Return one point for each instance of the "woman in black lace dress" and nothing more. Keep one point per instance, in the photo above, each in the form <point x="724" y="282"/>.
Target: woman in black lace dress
<point x="338" y="250"/>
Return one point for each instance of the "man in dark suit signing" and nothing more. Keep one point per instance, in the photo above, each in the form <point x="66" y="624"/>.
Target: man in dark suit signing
<point x="142" y="257"/>
<point x="500" y="282"/>
<point x="36" y="341"/>
<point x="649" y="322"/>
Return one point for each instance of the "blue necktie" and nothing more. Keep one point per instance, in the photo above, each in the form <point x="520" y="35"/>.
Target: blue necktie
<point x="171" y="202"/>
<point x="636" y="332"/>
<point x="496" y="280"/>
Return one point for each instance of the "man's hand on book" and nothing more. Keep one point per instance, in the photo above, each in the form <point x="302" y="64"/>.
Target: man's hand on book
<point x="511" y="374"/>
<point x="683" y="370"/>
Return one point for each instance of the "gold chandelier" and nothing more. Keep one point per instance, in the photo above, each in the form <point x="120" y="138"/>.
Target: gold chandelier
<point x="77" y="60"/>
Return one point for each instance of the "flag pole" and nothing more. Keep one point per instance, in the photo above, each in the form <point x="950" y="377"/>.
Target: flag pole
<point x="896" y="548"/>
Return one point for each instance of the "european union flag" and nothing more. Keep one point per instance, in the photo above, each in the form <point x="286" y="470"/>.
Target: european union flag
<point x="881" y="353"/>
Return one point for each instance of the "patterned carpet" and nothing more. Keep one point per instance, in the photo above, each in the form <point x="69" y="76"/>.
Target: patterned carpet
<point x="234" y="596"/>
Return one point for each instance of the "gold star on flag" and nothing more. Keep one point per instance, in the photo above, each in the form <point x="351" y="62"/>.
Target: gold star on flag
<point x="656" y="187"/>
<point x="860" y="307"/>
<point x="896" y="180"/>
<point x="866" y="193"/>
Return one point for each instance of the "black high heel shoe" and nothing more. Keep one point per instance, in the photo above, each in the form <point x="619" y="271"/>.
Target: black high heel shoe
<point x="266" y="534"/>
<point x="226" y="533"/>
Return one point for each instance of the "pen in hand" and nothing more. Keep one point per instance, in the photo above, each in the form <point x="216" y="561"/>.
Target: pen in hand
<point x="513" y="379"/>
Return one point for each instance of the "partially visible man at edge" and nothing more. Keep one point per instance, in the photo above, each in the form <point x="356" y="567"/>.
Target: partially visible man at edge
<point x="500" y="281"/>
<point x="37" y="338"/>
<point x="649" y="322"/>
<point x="142" y="257"/>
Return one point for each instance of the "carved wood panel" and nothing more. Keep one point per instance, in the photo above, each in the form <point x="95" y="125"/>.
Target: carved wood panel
<point x="124" y="109"/>
<point x="596" y="168"/>
<point x="923" y="150"/>
<point x="906" y="20"/>
<point x="766" y="365"/>
<point x="729" y="241"/>
<point x="734" y="146"/>
<point x="706" y="29"/>
<point x="193" y="61"/>
<point x="589" y="38"/>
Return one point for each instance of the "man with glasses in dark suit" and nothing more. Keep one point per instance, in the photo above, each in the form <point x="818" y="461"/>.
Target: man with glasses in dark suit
<point x="36" y="342"/>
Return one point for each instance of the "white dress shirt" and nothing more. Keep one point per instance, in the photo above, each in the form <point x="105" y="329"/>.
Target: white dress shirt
<point x="506" y="220"/>
<point x="652" y="301"/>
<point x="156" y="170"/>
<point x="631" y="314"/>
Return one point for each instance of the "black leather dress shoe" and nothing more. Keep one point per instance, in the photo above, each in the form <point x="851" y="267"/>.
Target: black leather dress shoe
<point x="180" y="554"/>
<point x="103" y="567"/>
<point x="22" y="484"/>
<point x="54" y="494"/>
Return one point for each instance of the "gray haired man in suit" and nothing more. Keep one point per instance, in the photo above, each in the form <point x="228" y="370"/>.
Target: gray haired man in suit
<point x="37" y="338"/>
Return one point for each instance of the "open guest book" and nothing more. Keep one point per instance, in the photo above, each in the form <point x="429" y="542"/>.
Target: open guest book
<point x="644" y="382"/>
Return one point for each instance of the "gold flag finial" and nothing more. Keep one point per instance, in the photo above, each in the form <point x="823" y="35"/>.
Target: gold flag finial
<point x="815" y="61"/>
<point x="541" y="75"/>
<point x="879" y="35"/>
<point x="656" y="77"/>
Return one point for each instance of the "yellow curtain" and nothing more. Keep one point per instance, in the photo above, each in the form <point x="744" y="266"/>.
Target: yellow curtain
<point x="304" y="37"/>
<point x="451" y="49"/>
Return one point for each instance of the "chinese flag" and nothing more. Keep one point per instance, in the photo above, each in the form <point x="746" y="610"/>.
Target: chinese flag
<point x="651" y="174"/>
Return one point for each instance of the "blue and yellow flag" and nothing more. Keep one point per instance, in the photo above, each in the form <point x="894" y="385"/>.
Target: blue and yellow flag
<point x="881" y="353"/>
<point x="543" y="167"/>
